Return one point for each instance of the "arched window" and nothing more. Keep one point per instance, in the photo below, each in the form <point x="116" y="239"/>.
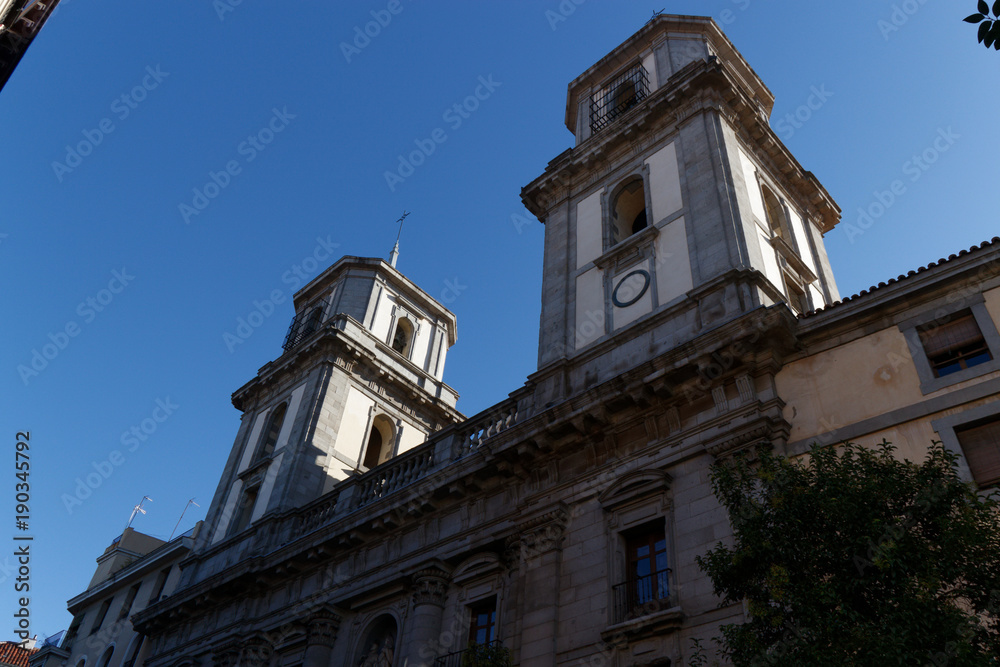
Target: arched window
<point x="775" y="213"/>
<point x="628" y="211"/>
<point x="403" y="336"/>
<point x="106" y="658"/>
<point x="274" y="423"/>
<point x="380" y="442"/>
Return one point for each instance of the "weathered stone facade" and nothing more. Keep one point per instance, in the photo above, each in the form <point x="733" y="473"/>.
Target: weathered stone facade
<point x="689" y="311"/>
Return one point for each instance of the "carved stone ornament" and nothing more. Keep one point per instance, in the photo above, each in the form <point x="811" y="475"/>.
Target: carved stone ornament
<point x="256" y="652"/>
<point x="430" y="586"/>
<point x="544" y="533"/>
<point x="323" y="626"/>
<point x="226" y="655"/>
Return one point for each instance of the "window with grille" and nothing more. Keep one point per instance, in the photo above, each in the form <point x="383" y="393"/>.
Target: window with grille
<point x="617" y="97"/>
<point x="954" y="345"/>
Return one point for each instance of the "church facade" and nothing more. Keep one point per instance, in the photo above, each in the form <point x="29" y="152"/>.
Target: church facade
<point x="688" y="312"/>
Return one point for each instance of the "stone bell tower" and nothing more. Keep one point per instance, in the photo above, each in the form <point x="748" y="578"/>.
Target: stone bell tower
<point x="358" y="383"/>
<point x="677" y="210"/>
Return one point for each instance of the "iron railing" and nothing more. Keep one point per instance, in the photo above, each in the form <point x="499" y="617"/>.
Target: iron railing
<point x="455" y="659"/>
<point x="305" y="323"/>
<point x="627" y="90"/>
<point x="641" y="596"/>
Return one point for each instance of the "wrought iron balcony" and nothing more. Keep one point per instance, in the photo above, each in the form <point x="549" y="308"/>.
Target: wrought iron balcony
<point x="305" y="323"/>
<point x="615" y="99"/>
<point x="641" y="596"/>
<point x="457" y="659"/>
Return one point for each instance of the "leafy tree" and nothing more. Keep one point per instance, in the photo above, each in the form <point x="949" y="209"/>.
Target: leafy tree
<point x="856" y="558"/>
<point x="989" y="25"/>
<point x="486" y="655"/>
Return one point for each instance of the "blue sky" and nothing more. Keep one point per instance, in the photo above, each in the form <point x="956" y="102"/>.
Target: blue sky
<point x="98" y="242"/>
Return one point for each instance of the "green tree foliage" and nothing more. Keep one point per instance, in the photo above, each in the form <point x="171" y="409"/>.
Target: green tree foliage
<point x="989" y="25"/>
<point x="486" y="655"/>
<point x="857" y="558"/>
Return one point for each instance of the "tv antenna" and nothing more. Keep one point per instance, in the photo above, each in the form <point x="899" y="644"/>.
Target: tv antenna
<point x="189" y="503"/>
<point x="138" y="510"/>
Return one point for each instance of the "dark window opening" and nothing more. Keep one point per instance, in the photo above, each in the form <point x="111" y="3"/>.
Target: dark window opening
<point x="129" y="600"/>
<point x="483" y="624"/>
<point x="102" y="612"/>
<point x="402" y="337"/>
<point x="776" y="221"/>
<point x="981" y="445"/>
<point x="797" y="297"/>
<point x="380" y="441"/>
<point x="274" y="424"/>
<point x="628" y="213"/>
<point x="955" y="345"/>
<point x="244" y="509"/>
<point x="161" y="581"/>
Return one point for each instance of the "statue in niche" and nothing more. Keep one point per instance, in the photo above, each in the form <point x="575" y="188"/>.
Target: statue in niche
<point x="380" y="655"/>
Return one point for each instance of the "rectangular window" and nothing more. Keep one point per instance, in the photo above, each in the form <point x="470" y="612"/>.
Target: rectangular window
<point x="74" y="629"/>
<point x="129" y="600"/>
<point x="102" y="612"/>
<point x="647" y="578"/>
<point x="161" y="581"/>
<point x="954" y="345"/>
<point x="483" y="626"/>
<point x="244" y="509"/>
<point x="981" y="445"/>
<point x="618" y="96"/>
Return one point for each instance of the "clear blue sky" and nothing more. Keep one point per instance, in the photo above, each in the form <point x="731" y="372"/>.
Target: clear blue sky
<point x="211" y="81"/>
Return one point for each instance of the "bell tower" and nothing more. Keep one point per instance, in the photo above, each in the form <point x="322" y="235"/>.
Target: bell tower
<point x="359" y="382"/>
<point x="677" y="210"/>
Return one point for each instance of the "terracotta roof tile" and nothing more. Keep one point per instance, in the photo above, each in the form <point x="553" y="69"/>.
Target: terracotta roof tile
<point x="13" y="654"/>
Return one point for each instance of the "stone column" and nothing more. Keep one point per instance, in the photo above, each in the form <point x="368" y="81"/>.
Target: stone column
<point x="430" y="590"/>
<point x="226" y="655"/>
<point x="541" y="553"/>
<point x="320" y="638"/>
<point x="256" y="652"/>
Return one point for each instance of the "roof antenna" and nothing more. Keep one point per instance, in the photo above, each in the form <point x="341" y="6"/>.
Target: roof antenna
<point x="138" y="510"/>
<point x="190" y="502"/>
<point x="394" y="255"/>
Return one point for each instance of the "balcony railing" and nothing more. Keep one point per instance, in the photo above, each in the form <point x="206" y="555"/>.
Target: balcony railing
<point x="305" y="323"/>
<point x="612" y="101"/>
<point x="458" y="658"/>
<point x="641" y="596"/>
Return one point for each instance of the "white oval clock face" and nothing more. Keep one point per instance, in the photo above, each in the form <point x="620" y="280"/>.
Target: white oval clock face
<point x="630" y="288"/>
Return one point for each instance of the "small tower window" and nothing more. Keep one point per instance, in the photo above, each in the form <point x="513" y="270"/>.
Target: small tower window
<point x="628" y="211"/>
<point x="244" y="508"/>
<point x="775" y="214"/>
<point x="380" y="441"/>
<point x="274" y="423"/>
<point x="403" y="336"/>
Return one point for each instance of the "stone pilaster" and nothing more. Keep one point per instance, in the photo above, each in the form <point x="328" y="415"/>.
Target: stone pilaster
<point x="541" y="541"/>
<point x="320" y="638"/>
<point x="430" y="589"/>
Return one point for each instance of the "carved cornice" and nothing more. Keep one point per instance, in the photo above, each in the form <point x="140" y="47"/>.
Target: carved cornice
<point x="543" y="533"/>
